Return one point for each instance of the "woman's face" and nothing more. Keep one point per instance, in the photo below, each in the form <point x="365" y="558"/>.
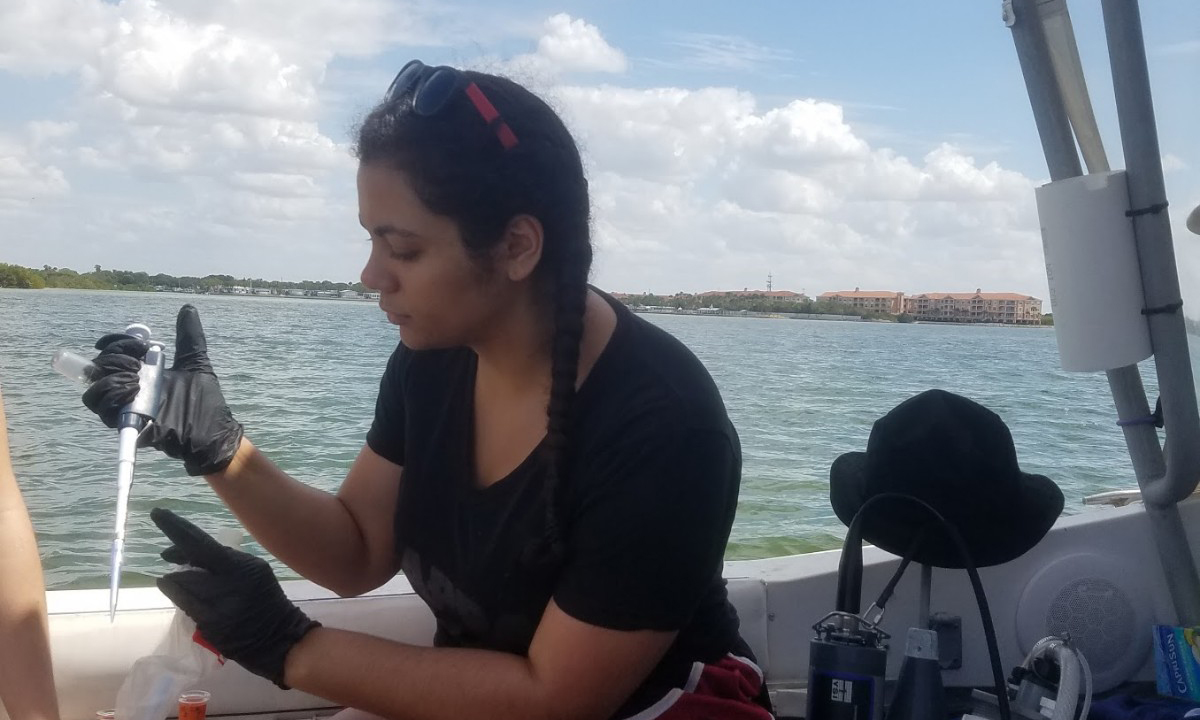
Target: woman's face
<point x="429" y="285"/>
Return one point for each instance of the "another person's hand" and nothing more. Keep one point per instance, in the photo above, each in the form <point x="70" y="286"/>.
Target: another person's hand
<point x="194" y="423"/>
<point x="233" y="597"/>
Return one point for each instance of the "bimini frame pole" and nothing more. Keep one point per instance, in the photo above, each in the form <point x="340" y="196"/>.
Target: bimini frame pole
<point x="1129" y="395"/>
<point x="1164" y="305"/>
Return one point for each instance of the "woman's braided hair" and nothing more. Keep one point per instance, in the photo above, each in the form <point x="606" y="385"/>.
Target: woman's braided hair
<point x="460" y="169"/>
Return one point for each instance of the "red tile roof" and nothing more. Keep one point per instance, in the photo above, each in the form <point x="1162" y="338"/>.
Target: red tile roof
<point x="971" y="296"/>
<point x="888" y="294"/>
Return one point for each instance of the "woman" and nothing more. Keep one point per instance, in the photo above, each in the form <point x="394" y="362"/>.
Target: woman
<point x="555" y="476"/>
<point x="26" y="679"/>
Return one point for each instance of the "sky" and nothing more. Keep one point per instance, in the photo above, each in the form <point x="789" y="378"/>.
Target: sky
<point x="828" y="145"/>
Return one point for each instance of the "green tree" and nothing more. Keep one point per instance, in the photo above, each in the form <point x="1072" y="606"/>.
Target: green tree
<point x="15" y="276"/>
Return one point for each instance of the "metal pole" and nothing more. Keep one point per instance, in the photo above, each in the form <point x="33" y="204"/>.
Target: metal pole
<point x="1129" y="396"/>
<point x="926" y="593"/>
<point x="1152" y="233"/>
<point x="1062" y="160"/>
<point x="1160" y="283"/>
<point x="1049" y="110"/>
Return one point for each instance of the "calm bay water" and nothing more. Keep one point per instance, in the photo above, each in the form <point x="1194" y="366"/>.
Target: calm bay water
<point x="302" y="376"/>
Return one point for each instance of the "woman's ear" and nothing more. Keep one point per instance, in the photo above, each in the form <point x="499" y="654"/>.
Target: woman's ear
<point x="521" y="248"/>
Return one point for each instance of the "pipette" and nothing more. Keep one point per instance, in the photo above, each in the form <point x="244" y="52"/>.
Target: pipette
<point x="132" y="420"/>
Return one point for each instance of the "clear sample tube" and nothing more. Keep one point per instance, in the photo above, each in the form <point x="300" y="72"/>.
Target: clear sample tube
<point x="74" y="366"/>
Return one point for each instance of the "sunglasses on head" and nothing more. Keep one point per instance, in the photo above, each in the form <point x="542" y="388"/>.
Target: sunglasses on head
<point x="432" y="87"/>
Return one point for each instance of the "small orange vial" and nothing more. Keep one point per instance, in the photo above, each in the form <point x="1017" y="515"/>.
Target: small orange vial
<point x="193" y="705"/>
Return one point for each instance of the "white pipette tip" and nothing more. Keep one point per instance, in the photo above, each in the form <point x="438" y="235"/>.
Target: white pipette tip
<point x="114" y="578"/>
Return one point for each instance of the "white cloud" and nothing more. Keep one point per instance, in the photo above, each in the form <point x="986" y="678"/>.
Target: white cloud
<point x="204" y="117"/>
<point x="24" y="180"/>
<point x="207" y="115"/>
<point x="213" y="89"/>
<point x="319" y="29"/>
<point x="217" y="145"/>
<point x="282" y="185"/>
<point x="721" y="192"/>
<point x="1186" y="47"/>
<point x="1173" y="163"/>
<point x="158" y="60"/>
<point x="48" y="131"/>
<point x="573" y="44"/>
<point x="51" y="36"/>
<point x="725" y="52"/>
<point x="569" y="45"/>
<point x="167" y="83"/>
<point x="44" y="36"/>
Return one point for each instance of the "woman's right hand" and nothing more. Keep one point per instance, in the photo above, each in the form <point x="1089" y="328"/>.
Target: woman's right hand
<point x="194" y="423"/>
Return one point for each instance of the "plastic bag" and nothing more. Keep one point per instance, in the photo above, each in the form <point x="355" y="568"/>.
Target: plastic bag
<point x="180" y="661"/>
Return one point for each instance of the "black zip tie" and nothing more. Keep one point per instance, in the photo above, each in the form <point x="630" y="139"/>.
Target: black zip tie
<point x="1152" y="210"/>
<point x="1167" y="309"/>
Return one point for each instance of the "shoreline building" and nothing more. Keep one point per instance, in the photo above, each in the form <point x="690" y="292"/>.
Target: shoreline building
<point x="881" y="301"/>
<point x="976" y="307"/>
<point x="980" y="307"/>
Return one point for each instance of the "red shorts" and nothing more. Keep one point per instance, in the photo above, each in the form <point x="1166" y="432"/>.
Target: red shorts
<point x="725" y="690"/>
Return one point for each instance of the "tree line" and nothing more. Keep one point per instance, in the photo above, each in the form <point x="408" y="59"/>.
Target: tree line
<point x="756" y="303"/>
<point x="16" y="276"/>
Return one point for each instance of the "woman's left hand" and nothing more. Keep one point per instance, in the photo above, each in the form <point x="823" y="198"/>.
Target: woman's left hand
<point x="233" y="597"/>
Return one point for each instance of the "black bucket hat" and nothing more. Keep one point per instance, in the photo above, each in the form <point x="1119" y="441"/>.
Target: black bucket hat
<point x="958" y="457"/>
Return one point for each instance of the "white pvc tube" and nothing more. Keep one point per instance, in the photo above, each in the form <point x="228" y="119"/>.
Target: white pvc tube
<point x="1069" y="674"/>
<point x="1087" y="683"/>
<point x="1068" y="682"/>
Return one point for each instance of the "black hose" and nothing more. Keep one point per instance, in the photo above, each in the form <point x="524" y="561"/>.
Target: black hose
<point x="850" y="569"/>
<point x="882" y="600"/>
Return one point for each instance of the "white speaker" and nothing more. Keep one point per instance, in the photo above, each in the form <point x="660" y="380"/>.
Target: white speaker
<point x="1101" y="603"/>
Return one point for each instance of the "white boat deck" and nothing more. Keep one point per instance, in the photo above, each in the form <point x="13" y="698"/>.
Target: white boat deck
<point x="1099" y="568"/>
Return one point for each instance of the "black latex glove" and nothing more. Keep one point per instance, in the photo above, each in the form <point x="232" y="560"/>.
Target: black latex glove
<point x="194" y="423"/>
<point x="233" y="597"/>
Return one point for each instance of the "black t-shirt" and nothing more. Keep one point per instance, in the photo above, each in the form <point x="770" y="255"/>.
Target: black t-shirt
<point x="645" y="507"/>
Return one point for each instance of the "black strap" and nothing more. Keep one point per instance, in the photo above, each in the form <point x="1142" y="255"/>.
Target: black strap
<point x="1151" y="210"/>
<point x="1167" y="309"/>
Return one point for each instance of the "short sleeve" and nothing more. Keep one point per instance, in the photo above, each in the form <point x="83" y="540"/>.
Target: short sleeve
<point x="386" y="435"/>
<point x="647" y="539"/>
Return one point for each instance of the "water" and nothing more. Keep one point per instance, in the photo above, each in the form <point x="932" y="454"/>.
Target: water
<point x="302" y="376"/>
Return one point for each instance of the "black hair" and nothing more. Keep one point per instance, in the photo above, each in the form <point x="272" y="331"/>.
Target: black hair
<point x="460" y="169"/>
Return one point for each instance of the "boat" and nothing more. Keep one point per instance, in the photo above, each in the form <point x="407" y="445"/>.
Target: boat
<point x="1096" y="575"/>
<point x="1103" y="577"/>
